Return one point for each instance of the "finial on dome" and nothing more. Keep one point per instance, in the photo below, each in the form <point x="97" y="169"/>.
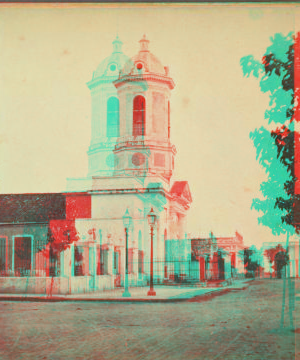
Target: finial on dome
<point x="144" y="43"/>
<point x="117" y="45"/>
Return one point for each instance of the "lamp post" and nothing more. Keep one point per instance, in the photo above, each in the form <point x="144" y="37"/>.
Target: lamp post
<point x="151" y="219"/>
<point x="126" y="222"/>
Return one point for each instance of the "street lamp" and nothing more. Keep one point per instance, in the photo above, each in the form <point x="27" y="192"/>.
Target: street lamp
<point x="151" y="219"/>
<point x="126" y="223"/>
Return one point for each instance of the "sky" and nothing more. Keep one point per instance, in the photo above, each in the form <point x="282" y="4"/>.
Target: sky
<point x="49" y="52"/>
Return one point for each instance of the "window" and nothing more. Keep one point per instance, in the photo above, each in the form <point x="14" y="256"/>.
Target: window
<point x="112" y="125"/>
<point x="141" y="261"/>
<point x="130" y="261"/>
<point x="103" y="261"/>
<point x="139" y="112"/>
<point x="78" y="260"/>
<point x="3" y="254"/>
<point x="116" y="263"/>
<point x="22" y="257"/>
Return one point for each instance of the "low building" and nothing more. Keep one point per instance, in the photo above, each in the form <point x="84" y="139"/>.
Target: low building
<point x="234" y="245"/>
<point x="270" y="263"/>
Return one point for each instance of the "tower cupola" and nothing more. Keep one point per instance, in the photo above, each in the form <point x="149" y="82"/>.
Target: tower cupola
<point x="105" y="124"/>
<point x="144" y="89"/>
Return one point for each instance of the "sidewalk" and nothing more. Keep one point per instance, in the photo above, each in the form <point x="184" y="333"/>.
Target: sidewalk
<point x="163" y="294"/>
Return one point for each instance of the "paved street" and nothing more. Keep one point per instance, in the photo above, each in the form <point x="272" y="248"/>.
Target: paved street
<point x="230" y="324"/>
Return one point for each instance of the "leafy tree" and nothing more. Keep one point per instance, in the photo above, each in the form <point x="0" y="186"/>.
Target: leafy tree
<point x="275" y="147"/>
<point x="61" y="234"/>
<point x="279" y="255"/>
<point x="281" y="259"/>
<point x="251" y="260"/>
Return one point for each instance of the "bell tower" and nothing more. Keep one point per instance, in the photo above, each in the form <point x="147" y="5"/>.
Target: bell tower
<point x="143" y="148"/>
<point x="105" y="124"/>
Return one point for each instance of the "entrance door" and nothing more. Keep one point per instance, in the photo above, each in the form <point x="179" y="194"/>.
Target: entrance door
<point x="202" y="268"/>
<point x="221" y="268"/>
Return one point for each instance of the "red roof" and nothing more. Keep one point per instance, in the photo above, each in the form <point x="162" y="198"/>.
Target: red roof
<point x="181" y="189"/>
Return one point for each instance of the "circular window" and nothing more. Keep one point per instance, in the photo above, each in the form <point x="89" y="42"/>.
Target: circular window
<point x="138" y="159"/>
<point x="139" y="66"/>
<point x="113" y="67"/>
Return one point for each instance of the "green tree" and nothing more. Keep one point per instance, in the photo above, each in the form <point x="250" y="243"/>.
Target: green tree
<point x="275" y="146"/>
<point x="252" y="260"/>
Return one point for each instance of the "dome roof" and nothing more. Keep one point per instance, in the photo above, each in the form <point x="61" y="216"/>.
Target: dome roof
<point x="113" y="64"/>
<point x="144" y="62"/>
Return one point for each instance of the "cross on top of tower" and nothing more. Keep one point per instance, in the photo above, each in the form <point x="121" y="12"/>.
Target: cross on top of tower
<point x="144" y="43"/>
<point x="117" y="45"/>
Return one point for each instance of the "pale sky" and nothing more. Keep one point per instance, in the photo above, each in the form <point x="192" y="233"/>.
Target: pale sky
<point x="48" y="54"/>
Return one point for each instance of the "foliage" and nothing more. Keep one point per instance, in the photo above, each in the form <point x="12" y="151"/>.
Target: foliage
<point x="275" y="148"/>
<point x="279" y="255"/>
<point x="61" y="234"/>
<point x="251" y="259"/>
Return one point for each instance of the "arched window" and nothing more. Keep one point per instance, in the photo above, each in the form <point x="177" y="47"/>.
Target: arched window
<point x="112" y="119"/>
<point x="139" y="114"/>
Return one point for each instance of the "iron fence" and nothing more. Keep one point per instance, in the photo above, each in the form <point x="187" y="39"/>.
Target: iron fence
<point x="22" y="257"/>
<point x="175" y="272"/>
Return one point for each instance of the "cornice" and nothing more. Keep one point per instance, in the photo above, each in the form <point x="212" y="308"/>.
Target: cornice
<point x="149" y="144"/>
<point x="144" y="78"/>
<point x="101" y="80"/>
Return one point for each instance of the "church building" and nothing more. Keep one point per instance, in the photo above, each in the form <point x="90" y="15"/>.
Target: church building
<point x="79" y="237"/>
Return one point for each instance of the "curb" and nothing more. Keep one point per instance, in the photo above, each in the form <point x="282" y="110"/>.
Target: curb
<point x="110" y="300"/>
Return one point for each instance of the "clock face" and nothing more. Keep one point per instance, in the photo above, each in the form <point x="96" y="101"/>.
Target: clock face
<point x="138" y="159"/>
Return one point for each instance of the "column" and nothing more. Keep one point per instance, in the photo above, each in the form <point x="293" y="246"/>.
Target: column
<point x="66" y="268"/>
<point x="71" y="261"/>
<point x="92" y="266"/>
<point x="94" y="272"/>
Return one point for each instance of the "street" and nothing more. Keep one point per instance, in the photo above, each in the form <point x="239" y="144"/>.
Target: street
<point x="230" y="324"/>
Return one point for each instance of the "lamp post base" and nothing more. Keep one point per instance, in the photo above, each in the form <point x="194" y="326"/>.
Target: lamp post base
<point x="151" y="292"/>
<point x="126" y="293"/>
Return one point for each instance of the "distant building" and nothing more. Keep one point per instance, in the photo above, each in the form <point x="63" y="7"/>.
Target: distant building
<point x="234" y="245"/>
<point x="292" y="251"/>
